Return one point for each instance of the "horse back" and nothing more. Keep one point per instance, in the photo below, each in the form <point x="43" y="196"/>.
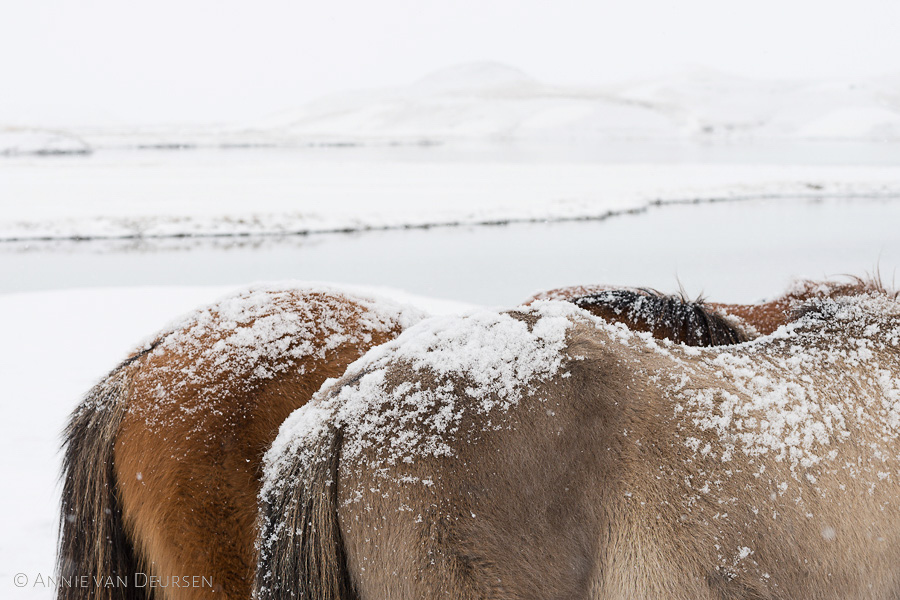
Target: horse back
<point x="637" y="469"/>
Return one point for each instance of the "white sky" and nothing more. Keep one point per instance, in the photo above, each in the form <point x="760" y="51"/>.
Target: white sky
<point x="124" y="61"/>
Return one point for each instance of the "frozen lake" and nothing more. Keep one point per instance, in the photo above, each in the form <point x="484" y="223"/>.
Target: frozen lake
<point x="735" y="251"/>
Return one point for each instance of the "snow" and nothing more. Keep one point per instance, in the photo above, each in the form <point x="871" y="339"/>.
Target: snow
<point x="134" y="194"/>
<point x="873" y="122"/>
<point x="472" y="78"/>
<point x="17" y="141"/>
<point x="471" y="144"/>
<point x="493" y="101"/>
<point x="711" y="105"/>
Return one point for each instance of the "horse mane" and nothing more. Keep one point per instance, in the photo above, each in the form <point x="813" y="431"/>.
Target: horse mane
<point x="689" y="322"/>
<point x="801" y="298"/>
<point x="807" y="289"/>
<point x="811" y="297"/>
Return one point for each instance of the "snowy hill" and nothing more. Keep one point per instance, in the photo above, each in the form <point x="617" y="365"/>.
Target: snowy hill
<point x="479" y="101"/>
<point x="490" y="102"/>
<point x="493" y="102"/>
<point x="709" y="104"/>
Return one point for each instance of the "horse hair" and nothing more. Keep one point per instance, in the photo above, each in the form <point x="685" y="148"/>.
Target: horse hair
<point x="681" y="320"/>
<point x="93" y="540"/>
<point x="302" y="550"/>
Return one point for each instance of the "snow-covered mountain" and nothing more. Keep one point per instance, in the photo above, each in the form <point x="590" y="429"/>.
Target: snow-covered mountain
<point x="479" y="101"/>
<point x="709" y="104"/>
<point x="494" y="102"/>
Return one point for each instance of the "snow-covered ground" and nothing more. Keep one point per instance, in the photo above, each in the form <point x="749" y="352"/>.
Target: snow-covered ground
<point x="148" y="194"/>
<point x="17" y="141"/>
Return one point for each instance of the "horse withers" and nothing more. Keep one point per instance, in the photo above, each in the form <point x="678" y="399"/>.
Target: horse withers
<point x="547" y="453"/>
<point x="163" y="457"/>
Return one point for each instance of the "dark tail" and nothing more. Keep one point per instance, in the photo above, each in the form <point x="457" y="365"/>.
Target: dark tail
<point x="302" y="550"/>
<point x="93" y="541"/>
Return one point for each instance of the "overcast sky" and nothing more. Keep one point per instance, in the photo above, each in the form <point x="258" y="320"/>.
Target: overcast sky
<point x="186" y="60"/>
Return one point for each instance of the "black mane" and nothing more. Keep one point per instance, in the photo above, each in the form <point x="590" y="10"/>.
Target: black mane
<point x="676" y="318"/>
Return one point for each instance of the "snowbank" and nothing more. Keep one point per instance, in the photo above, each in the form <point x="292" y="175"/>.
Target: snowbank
<point x="226" y="194"/>
<point x="40" y="142"/>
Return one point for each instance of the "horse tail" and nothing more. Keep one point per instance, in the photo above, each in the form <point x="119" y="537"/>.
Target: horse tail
<point x="302" y="550"/>
<point x="93" y="539"/>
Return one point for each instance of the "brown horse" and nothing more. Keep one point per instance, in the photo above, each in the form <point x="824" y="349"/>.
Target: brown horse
<point x="546" y="453"/>
<point x="697" y="322"/>
<point x="163" y="457"/>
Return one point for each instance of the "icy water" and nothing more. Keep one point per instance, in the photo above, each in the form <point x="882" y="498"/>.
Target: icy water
<point x="734" y="251"/>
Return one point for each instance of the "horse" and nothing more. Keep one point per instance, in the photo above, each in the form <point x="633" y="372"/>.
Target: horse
<point x="696" y="322"/>
<point x="545" y="452"/>
<point x="163" y="457"/>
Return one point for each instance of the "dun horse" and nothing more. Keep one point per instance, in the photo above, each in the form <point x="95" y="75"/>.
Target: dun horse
<point x="163" y="457"/>
<point x="546" y="453"/>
